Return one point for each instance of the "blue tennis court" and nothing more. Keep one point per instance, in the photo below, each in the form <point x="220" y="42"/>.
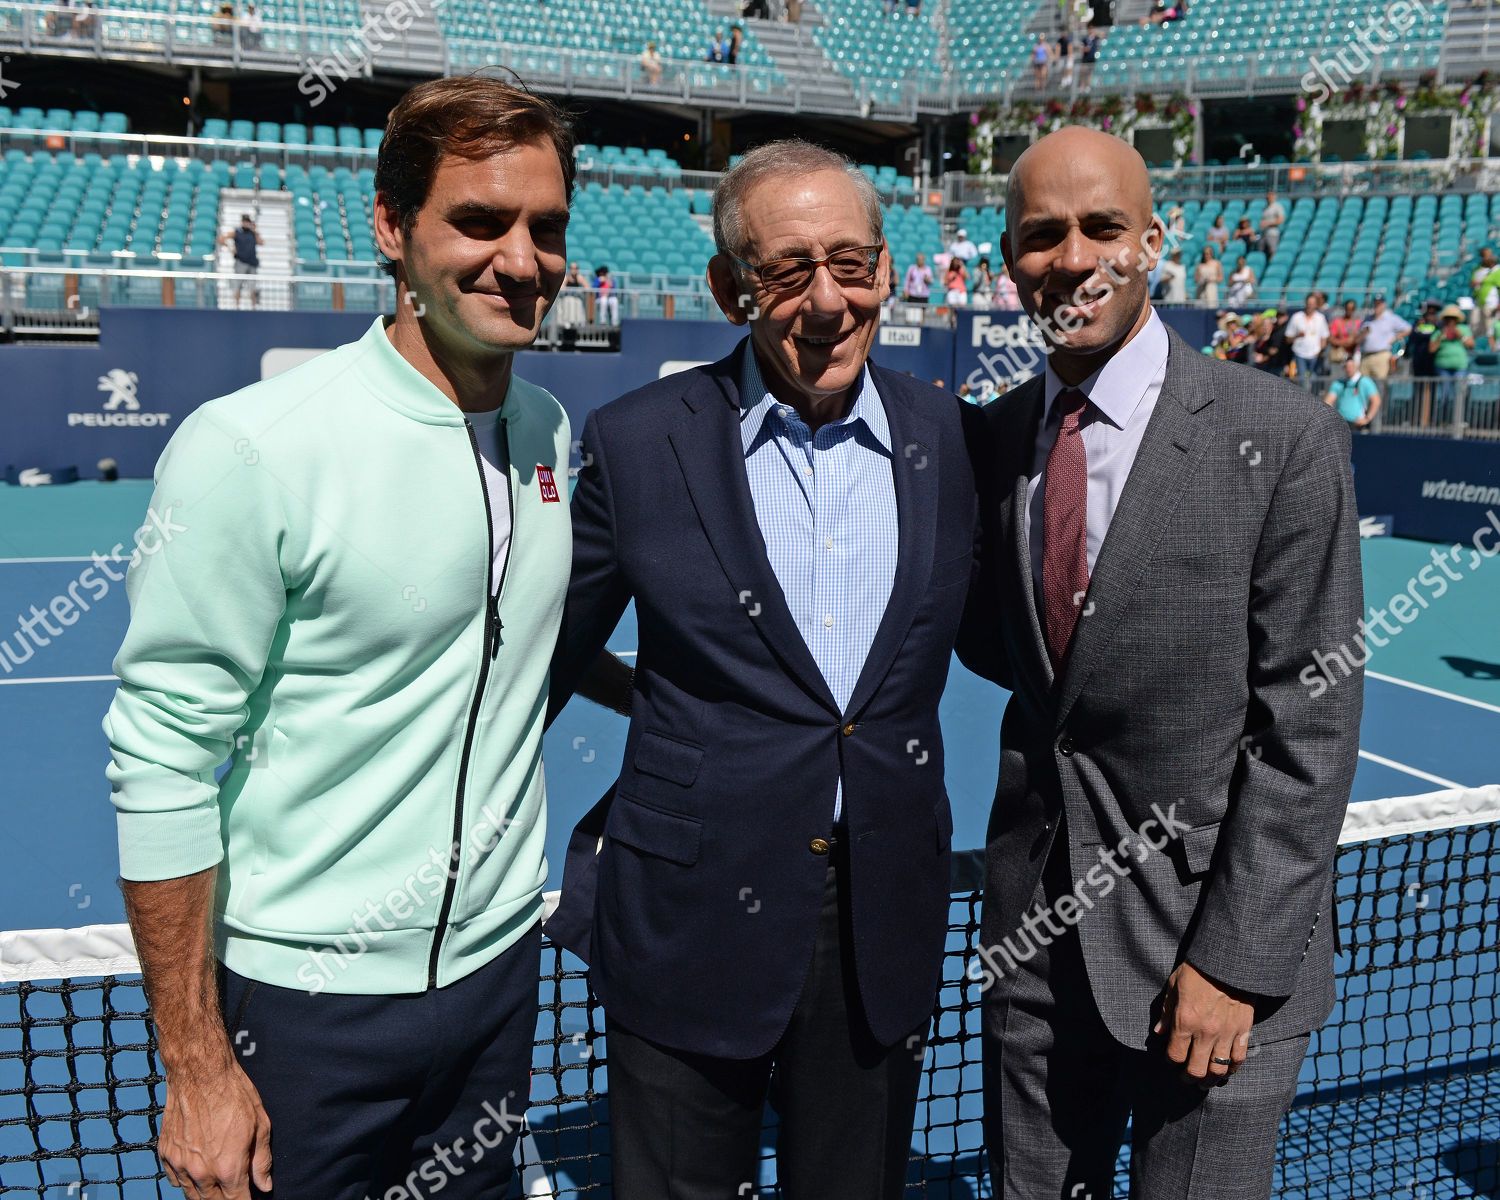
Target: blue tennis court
<point x="1432" y="722"/>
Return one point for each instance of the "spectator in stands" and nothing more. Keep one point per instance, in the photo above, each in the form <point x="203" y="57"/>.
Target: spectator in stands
<point x="913" y="8"/>
<point x="736" y="44"/>
<point x="223" y="23"/>
<point x="1176" y="226"/>
<point x="793" y="13"/>
<point x="982" y="293"/>
<point x="651" y="64"/>
<point x="1273" y="349"/>
<point x="1382" y="330"/>
<point x="1065" y="59"/>
<point x="756" y="8"/>
<point x="606" y="302"/>
<point x="917" y="286"/>
<point x="718" y="48"/>
<point x="1173" y="282"/>
<point x="1308" y="331"/>
<point x="1484" y="287"/>
<point x="246" y="240"/>
<point x="570" y="311"/>
<point x="962" y="247"/>
<point x="1354" y="397"/>
<point x="575" y="277"/>
<point x="251" y="28"/>
<point x="84" y="19"/>
<point x="1244" y="233"/>
<point x="1344" y="334"/>
<point x="1007" y="299"/>
<point x="1272" y="218"/>
<point x="1241" y="284"/>
<point x="1207" y="276"/>
<point x="1423" y="369"/>
<point x="956" y="283"/>
<point x="1218" y="234"/>
<point x="1041" y="55"/>
<point x="1165" y="11"/>
<point x="1451" y="346"/>
<point x="1091" y="44"/>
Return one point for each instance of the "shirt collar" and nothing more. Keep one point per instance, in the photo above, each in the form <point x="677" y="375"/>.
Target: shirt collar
<point x="1117" y="388"/>
<point x="757" y="403"/>
<point x="402" y="387"/>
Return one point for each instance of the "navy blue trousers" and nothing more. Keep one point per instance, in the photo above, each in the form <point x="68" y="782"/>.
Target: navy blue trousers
<point x="392" y="1097"/>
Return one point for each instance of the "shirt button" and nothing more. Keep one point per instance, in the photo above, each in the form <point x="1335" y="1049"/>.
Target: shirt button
<point x="828" y="621"/>
<point x="849" y="729"/>
<point x="808" y="471"/>
<point x="1065" y="746"/>
<point x="828" y="544"/>
<point x="818" y="845"/>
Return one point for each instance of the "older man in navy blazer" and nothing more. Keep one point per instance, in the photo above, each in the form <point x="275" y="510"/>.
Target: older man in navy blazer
<point x="769" y="897"/>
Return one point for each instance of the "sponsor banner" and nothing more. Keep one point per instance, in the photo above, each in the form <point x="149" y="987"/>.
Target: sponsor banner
<point x="1002" y="347"/>
<point x="1435" y="489"/>
<point x="124" y="397"/>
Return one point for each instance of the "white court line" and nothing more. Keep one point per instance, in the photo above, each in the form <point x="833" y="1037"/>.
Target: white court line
<point x="1395" y="766"/>
<point x="1432" y="691"/>
<point x="59" y="679"/>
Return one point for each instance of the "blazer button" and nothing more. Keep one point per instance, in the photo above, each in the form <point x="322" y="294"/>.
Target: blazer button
<point x="1065" y="746"/>
<point x="849" y="729"/>
<point x="818" y="845"/>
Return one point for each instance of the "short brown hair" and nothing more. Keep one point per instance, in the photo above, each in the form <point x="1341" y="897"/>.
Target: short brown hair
<point x="470" y="116"/>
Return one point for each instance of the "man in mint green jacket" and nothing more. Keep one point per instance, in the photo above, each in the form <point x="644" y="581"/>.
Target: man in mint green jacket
<point x="340" y="937"/>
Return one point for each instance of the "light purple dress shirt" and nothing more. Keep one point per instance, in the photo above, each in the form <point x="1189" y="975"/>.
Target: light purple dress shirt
<point x="1122" y="396"/>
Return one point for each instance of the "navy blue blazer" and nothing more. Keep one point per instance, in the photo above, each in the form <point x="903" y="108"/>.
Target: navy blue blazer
<point x="697" y="916"/>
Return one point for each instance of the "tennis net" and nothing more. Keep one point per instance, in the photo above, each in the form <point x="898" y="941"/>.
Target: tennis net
<point x="1399" y="1097"/>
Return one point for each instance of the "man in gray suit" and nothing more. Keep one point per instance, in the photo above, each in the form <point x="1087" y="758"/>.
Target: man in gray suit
<point x="1168" y="540"/>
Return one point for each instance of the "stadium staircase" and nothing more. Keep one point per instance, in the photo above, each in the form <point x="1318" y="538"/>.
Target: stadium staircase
<point x="273" y="217"/>
<point x="793" y="49"/>
<point x="421" y="50"/>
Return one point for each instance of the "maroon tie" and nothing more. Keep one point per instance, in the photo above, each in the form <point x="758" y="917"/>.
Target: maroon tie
<point x="1065" y="506"/>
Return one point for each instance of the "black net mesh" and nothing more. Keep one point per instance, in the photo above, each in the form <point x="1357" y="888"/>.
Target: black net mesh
<point x="1399" y="1095"/>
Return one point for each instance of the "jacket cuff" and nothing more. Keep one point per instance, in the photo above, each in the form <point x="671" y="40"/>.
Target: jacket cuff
<point x="168" y="845"/>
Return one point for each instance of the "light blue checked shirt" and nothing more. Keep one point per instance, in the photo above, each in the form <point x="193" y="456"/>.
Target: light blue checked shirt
<point x="826" y="506"/>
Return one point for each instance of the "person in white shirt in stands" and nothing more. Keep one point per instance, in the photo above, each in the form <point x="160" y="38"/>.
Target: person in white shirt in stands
<point x="1382" y="331"/>
<point x="651" y="64"/>
<point x="1308" y="331"/>
<point x="1173" y="279"/>
<point x="918" y="284"/>
<point x="962" y="248"/>
<point x="1272" y="218"/>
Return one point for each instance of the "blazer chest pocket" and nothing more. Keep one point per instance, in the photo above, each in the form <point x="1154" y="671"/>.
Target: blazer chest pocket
<point x="667" y="758"/>
<point x="673" y="836"/>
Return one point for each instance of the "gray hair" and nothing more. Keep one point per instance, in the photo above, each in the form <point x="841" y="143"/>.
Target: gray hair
<point x="788" y="156"/>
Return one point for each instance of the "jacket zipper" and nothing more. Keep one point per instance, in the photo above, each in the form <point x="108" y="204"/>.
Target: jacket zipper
<point x="492" y="627"/>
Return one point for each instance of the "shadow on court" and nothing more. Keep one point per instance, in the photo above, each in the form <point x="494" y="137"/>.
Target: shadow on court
<point x="1477" y="1163"/>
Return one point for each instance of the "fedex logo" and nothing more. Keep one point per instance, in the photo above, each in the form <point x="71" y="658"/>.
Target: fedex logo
<point x="998" y="335"/>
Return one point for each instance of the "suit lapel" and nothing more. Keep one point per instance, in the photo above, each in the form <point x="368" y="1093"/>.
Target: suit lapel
<point x="1170" y="451"/>
<point x="712" y="460"/>
<point x="914" y="468"/>
<point x="1018" y="445"/>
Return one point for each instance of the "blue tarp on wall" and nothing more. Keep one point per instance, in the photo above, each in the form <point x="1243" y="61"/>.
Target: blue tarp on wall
<point x="1435" y="489"/>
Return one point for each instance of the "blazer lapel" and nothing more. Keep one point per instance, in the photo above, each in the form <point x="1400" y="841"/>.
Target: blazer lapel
<point x="914" y="469"/>
<point x="708" y="450"/>
<point x="1018" y="447"/>
<point x="1171" y="449"/>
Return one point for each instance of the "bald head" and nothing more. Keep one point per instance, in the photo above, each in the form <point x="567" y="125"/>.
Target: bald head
<point x="1080" y="235"/>
<point x="1073" y="149"/>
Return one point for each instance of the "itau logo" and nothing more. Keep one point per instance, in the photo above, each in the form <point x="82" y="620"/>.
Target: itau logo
<point x="121" y="406"/>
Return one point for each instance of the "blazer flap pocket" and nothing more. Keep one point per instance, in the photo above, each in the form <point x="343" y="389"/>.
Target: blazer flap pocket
<point x="673" y="836"/>
<point x="953" y="570"/>
<point x="667" y="758"/>
<point x="1198" y="848"/>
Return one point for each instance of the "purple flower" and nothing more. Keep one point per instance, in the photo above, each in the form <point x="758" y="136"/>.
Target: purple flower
<point x="1108" y="122"/>
<point x="1390" y="131"/>
<point x="1193" y="109"/>
<point x="1463" y="100"/>
<point x="1297" y="132"/>
<point x="973" y="146"/>
<point x="1400" y="103"/>
<point x="1301" y="104"/>
<point x="974" y="118"/>
<point x="1041" y="119"/>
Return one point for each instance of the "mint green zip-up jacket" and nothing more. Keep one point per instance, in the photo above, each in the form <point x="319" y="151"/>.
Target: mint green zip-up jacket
<point x="319" y="616"/>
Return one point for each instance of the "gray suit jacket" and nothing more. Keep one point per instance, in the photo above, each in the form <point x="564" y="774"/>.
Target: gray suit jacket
<point x="1232" y="556"/>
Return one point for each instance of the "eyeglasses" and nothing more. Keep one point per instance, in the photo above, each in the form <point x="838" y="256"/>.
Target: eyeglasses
<point x="850" y="267"/>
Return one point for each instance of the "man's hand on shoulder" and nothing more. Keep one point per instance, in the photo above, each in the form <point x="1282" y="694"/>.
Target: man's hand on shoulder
<point x="1206" y="1027"/>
